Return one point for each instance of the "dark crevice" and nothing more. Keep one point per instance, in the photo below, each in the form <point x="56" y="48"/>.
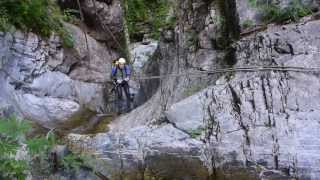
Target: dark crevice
<point x="175" y="126"/>
<point x="213" y="126"/>
<point x="230" y="56"/>
<point x="264" y="93"/>
<point x="230" y="30"/>
<point x="237" y="108"/>
<point x="73" y="67"/>
<point x="270" y="110"/>
<point x="236" y="100"/>
<point x="275" y="152"/>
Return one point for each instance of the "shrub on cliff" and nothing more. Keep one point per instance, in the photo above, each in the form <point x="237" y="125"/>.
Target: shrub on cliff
<point x="293" y="12"/>
<point x="39" y="16"/>
<point x="272" y="12"/>
<point x="147" y="16"/>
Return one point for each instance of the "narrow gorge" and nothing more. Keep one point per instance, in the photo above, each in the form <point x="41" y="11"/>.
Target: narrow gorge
<point x="223" y="89"/>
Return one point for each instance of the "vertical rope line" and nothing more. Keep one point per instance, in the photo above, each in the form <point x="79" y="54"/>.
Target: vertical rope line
<point x="82" y="29"/>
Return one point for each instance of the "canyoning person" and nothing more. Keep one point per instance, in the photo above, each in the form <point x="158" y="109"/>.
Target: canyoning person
<point x="121" y="75"/>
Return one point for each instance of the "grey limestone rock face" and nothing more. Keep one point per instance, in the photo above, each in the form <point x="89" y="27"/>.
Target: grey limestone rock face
<point x="120" y="152"/>
<point x="267" y="121"/>
<point x="143" y="56"/>
<point x="266" y="118"/>
<point x="50" y="84"/>
<point x="102" y="19"/>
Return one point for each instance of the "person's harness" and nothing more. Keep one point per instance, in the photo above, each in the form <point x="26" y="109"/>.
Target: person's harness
<point x="121" y="73"/>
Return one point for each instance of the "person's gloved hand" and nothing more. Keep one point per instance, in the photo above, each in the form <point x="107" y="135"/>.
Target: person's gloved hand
<point x="119" y="81"/>
<point x="126" y="79"/>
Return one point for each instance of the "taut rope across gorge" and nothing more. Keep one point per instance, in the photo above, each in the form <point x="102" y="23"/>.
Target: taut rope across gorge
<point x="247" y="69"/>
<point x="235" y="69"/>
<point x="216" y="71"/>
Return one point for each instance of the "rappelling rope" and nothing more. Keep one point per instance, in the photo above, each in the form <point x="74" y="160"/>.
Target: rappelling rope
<point x="84" y="32"/>
<point x="106" y="28"/>
<point x="235" y="69"/>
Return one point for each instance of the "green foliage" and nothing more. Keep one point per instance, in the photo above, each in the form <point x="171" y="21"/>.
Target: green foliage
<point x="272" y="12"/>
<point x="11" y="137"/>
<point x="151" y="13"/>
<point x="4" y="20"/>
<point x="194" y="133"/>
<point x="75" y="161"/>
<point x="193" y="89"/>
<point x="40" y="16"/>
<point x="298" y="10"/>
<point x="219" y="20"/>
<point x="193" y="39"/>
<point x="171" y="22"/>
<point x="13" y="127"/>
<point x="8" y="145"/>
<point x="36" y="150"/>
<point x="71" y="16"/>
<point x="39" y="149"/>
<point x="11" y="134"/>
<point x="247" y="24"/>
<point x="37" y="145"/>
<point x="72" y="162"/>
<point x="13" y="169"/>
<point x="67" y="39"/>
<point x="253" y="3"/>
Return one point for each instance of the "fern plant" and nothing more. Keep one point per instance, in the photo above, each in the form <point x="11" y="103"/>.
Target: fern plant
<point x="36" y="157"/>
<point x="11" y="137"/>
<point x="12" y="140"/>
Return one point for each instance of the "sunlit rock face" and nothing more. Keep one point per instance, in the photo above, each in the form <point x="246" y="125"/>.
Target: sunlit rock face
<point x="263" y="118"/>
<point x="254" y="121"/>
<point x="255" y="125"/>
<point x="50" y="84"/>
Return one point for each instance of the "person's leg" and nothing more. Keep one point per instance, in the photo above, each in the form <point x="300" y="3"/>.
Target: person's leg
<point x="127" y="92"/>
<point x="119" y="99"/>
